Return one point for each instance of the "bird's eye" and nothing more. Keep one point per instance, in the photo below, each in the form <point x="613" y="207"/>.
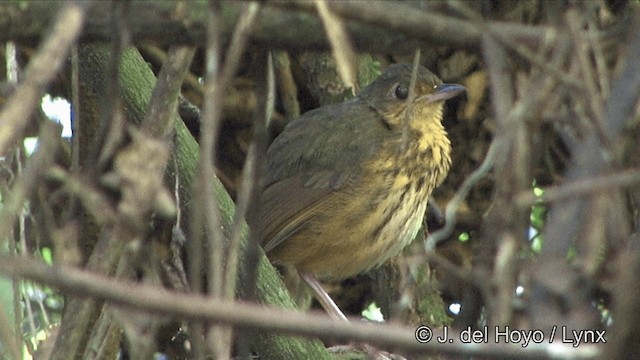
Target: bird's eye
<point x="401" y="92"/>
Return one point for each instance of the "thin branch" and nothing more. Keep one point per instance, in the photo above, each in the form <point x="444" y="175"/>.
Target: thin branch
<point x="346" y="58"/>
<point x="287" y="89"/>
<point x="463" y="191"/>
<point x="11" y="335"/>
<point x="75" y="120"/>
<point x="386" y="27"/>
<point x="25" y="184"/>
<point x="112" y="121"/>
<point x="589" y="159"/>
<point x="406" y="18"/>
<point x="95" y="202"/>
<point x="164" y="100"/>
<point x="239" y="40"/>
<point x="249" y="200"/>
<point x="144" y="297"/>
<point x="580" y="188"/>
<point x="502" y="226"/>
<point x="44" y="65"/>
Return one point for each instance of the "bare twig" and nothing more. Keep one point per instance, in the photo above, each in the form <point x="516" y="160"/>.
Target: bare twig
<point x="248" y="204"/>
<point x="346" y="58"/>
<point x="112" y="122"/>
<point x="201" y="308"/>
<point x="75" y="119"/>
<point x="386" y="27"/>
<point x="589" y="158"/>
<point x="11" y="334"/>
<point x="164" y="100"/>
<point x="461" y="194"/>
<point x="15" y="116"/>
<point x="216" y="82"/>
<point x="403" y="17"/>
<point x="287" y="88"/>
<point x="576" y="22"/>
<point x="239" y="40"/>
<point x="622" y="344"/>
<point x="248" y="200"/>
<point x="581" y="187"/>
<point x="205" y="209"/>
<point x="96" y="203"/>
<point x="570" y="223"/>
<point x="502" y="227"/>
<point x="25" y="185"/>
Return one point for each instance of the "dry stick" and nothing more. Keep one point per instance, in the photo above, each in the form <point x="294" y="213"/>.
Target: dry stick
<point x="346" y="58"/>
<point x="503" y="236"/>
<point x="426" y="25"/>
<point x="503" y="102"/>
<point x="206" y="213"/>
<point x="12" y="336"/>
<point x="402" y="21"/>
<point x="112" y="122"/>
<point x="477" y="278"/>
<point x="205" y="219"/>
<point x="532" y="54"/>
<point x="185" y="108"/>
<point x="75" y="121"/>
<point x="495" y="148"/>
<point x="216" y="81"/>
<point x="594" y="100"/>
<point x="163" y="104"/>
<point x="576" y="22"/>
<point x="23" y="188"/>
<point x="598" y="55"/>
<point x="620" y="107"/>
<point x="197" y="307"/>
<point x="95" y="202"/>
<point x="239" y="41"/>
<point x="580" y="187"/>
<point x="248" y="201"/>
<point x="24" y="249"/>
<point x="287" y="89"/>
<point x="157" y="55"/>
<point x="78" y="327"/>
<point x="221" y="339"/>
<point x="589" y="158"/>
<point x="44" y="65"/>
<point x="159" y="120"/>
<point x="25" y="185"/>
<point x="248" y="196"/>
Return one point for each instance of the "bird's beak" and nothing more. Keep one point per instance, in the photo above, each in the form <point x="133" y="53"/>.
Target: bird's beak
<point x="443" y="92"/>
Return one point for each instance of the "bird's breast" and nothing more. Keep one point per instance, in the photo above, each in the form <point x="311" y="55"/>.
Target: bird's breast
<point x="373" y="218"/>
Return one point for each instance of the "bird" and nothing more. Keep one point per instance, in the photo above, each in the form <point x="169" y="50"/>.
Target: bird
<point x="346" y="185"/>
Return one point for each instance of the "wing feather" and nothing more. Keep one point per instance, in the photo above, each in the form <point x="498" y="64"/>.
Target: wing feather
<point x="321" y="153"/>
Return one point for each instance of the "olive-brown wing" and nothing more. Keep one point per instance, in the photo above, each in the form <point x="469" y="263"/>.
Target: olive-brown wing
<point x="289" y="205"/>
<point x="316" y="156"/>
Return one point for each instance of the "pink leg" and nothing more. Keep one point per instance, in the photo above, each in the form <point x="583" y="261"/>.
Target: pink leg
<point x="334" y="311"/>
<point x="325" y="300"/>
